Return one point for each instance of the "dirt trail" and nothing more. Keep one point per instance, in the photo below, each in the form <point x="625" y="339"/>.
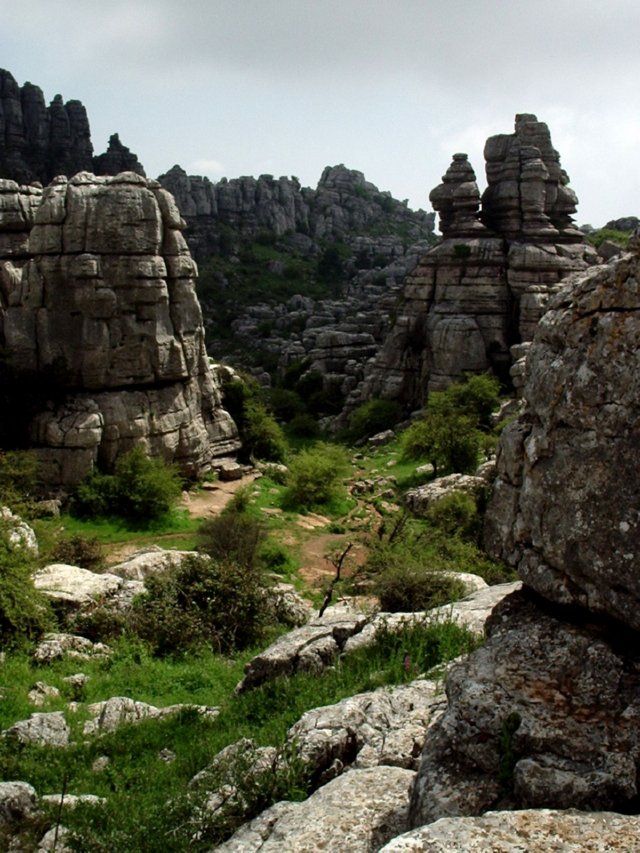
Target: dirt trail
<point x="314" y="543"/>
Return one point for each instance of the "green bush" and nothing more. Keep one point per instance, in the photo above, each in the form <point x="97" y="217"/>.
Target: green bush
<point x="202" y="602"/>
<point x="404" y="589"/>
<point x="455" y="426"/>
<point x="232" y="535"/>
<point x="456" y="514"/>
<point x="285" y="404"/>
<point x="303" y="426"/>
<point x="372" y="417"/>
<point x="83" y="551"/>
<point x="140" y="490"/>
<point x="18" y="478"/>
<point x="25" y="613"/>
<point x="315" y="476"/>
<point x="261" y="436"/>
<point x="476" y="397"/>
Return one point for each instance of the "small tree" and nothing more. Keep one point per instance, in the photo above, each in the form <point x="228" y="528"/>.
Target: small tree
<point x="450" y="442"/>
<point x="372" y="417"/>
<point x="315" y="476"/>
<point x="24" y="612"/>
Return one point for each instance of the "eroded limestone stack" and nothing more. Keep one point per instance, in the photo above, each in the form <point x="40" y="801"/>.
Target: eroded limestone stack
<point x="39" y="142"/>
<point x="486" y="285"/>
<point x="546" y="713"/>
<point x="104" y="303"/>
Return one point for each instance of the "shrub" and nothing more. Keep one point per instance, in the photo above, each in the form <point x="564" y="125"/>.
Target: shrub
<point x="404" y="589"/>
<point x="456" y="514"/>
<point x="24" y="612"/>
<point x="201" y="602"/>
<point x="83" y="551"/>
<point x="141" y="489"/>
<point x="303" y="426"/>
<point x="315" y="476"/>
<point x="372" y="417"/>
<point x="18" y="478"/>
<point x="232" y="535"/>
<point x="286" y="404"/>
<point x="476" y="397"/>
<point x="260" y="434"/>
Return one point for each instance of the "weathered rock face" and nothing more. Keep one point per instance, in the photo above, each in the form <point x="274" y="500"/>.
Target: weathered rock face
<point x="542" y="830"/>
<point x="565" y="505"/>
<point x="485" y="287"/>
<point x="102" y="299"/>
<point x="39" y="142"/>
<point x="546" y="713"/>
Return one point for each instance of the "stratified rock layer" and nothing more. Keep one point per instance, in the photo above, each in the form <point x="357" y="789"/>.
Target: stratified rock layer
<point x="102" y="300"/>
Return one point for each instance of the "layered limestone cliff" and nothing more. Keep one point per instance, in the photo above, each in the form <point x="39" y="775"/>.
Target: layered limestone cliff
<point x="39" y="141"/>
<point x="97" y="292"/>
<point x="486" y="285"/>
<point x="546" y="713"/>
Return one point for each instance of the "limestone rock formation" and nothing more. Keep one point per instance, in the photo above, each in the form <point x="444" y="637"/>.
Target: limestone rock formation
<point x="539" y="830"/>
<point x="545" y="714"/>
<point x="486" y="285"/>
<point x="117" y="158"/>
<point x="565" y="505"/>
<point x="102" y="303"/>
<point x="358" y="812"/>
<point x="39" y="142"/>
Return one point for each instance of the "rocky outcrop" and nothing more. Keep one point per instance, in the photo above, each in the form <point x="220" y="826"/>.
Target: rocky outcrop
<point x="358" y="812"/>
<point x="340" y="630"/>
<point x="485" y="287"/>
<point x="545" y="714"/>
<point x="102" y="304"/>
<point x="39" y="142"/>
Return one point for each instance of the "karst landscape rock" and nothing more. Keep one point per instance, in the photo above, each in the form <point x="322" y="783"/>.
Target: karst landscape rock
<point x="98" y="295"/>
<point x="529" y="743"/>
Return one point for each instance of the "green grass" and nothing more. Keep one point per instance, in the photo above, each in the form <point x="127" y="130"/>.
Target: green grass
<point x="137" y="783"/>
<point x="177" y="529"/>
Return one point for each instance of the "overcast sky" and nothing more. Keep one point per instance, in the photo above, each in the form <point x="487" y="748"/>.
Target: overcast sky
<point x="390" y="87"/>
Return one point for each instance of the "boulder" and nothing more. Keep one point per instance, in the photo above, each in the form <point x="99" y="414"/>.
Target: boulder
<point x="43" y="729"/>
<point x="386" y="726"/>
<point x="341" y="630"/>
<point x="20" y="536"/>
<point x="149" y="561"/>
<point x="121" y="710"/>
<point x="56" y="646"/>
<point x="539" y="830"/>
<point x="359" y="812"/>
<point x="18" y="800"/>
<point x="42" y="693"/>
<point x="542" y="716"/>
<point x="419" y="500"/>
